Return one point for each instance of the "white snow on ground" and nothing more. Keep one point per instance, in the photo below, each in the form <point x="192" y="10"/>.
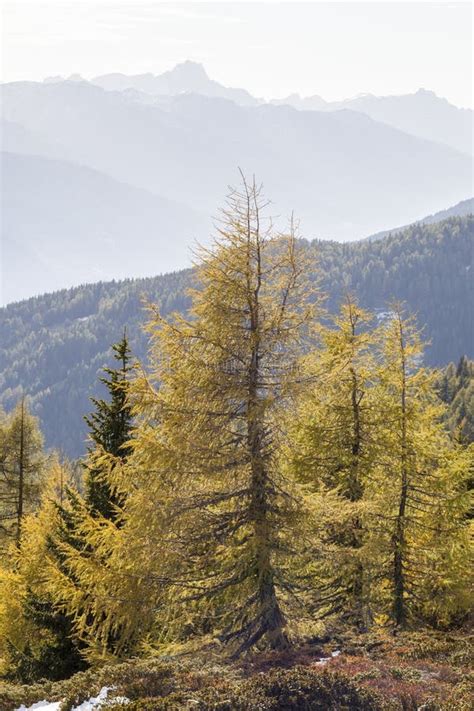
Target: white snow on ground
<point x="92" y="704"/>
<point x="324" y="660"/>
<point x="41" y="706"/>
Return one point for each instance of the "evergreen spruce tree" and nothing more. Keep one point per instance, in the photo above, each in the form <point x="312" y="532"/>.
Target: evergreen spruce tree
<point x="109" y="431"/>
<point x="110" y="428"/>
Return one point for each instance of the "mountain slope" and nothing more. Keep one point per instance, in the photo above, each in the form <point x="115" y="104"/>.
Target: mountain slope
<point x="343" y="174"/>
<point x="63" y="225"/>
<point x="54" y="345"/>
<point x="463" y="208"/>
<point x="422" y="114"/>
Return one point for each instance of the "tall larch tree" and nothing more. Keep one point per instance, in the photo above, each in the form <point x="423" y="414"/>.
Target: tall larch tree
<point x="227" y="374"/>
<point x="213" y="539"/>
<point x="420" y="487"/>
<point x="21" y="469"/>
<point x="333" y="449"/>
<point x="36" y="639"/>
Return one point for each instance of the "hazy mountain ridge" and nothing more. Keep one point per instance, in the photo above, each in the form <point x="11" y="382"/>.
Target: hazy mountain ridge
<point x="64" y="224"/>
<point x="343" y="174"/>
<point x="53" y="346"/>
<point x="186" y="77"/>
<point x="422" y="114"/>
<point x="462" y="209"/>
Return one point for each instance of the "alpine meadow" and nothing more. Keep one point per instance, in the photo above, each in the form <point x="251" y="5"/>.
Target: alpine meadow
<point x="236" y="450"/>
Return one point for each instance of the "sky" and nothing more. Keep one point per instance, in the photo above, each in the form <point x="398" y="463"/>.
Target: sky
<point x="334" y="49"/>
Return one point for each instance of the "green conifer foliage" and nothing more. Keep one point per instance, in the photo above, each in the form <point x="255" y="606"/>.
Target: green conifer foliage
<point x="109" y="430"/>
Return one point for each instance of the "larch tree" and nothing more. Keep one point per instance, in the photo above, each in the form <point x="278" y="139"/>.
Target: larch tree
<point x="214" y="535"/>
<point x="227" y="374"/>
<point x="333" y="449"/>
<point x="419" y="488"/>
<point x="21" y="469"/>
<point x="36" y="639"/>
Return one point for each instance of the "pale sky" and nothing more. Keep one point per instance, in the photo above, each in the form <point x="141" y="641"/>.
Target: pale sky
<point x="334" y="49"/>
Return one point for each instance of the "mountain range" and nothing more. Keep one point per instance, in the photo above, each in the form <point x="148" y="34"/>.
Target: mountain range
<point x="143" y="162"/>
<point x="52" y="347"/>
<point x="422" y="114"/>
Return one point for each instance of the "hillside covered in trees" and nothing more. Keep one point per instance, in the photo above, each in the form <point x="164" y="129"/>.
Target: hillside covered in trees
<point x="53" y="346"/>
<point x="280" y="489"/>
<point x="456" y="388"/>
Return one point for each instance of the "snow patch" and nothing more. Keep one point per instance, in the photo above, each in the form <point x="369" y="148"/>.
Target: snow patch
<point x="92" y="704"/>
<point x="324" y="660"/>
<point x="41" y="706"/>
<point x="384" y="315"/>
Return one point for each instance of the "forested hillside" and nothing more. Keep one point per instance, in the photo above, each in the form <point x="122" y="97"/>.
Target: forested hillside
<point x="463" y="208"/>
<point x="53" y="346"/>
<point x="456" y="388"/>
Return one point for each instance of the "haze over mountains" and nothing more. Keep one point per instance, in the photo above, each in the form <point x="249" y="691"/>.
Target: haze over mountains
<point x="110" y="228"/>
<point x="141" y="163"/>
<point x="422" y="114"/>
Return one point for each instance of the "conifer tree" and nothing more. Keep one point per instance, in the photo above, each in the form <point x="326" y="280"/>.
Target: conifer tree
<point x="213" y="537"/>
<point x="109" y="431"/>
<point x="333" y="448"/>
<point x="79" y="519"/>
<point x="419" y="487"/>
<point x="36" y="638"/>
<point x="227" y="374"/>
<point x="21" y="469"/>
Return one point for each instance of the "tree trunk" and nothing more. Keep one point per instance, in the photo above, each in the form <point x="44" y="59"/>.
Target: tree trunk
<point x="355" y="494"/>
<point x="271" y="619"/>
<point x="399" y="609"/>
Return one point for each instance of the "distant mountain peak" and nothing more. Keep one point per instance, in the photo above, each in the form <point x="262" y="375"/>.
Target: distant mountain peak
<point x="185" y="77"/>
<point x="189" y="71"/>
<point x="58" y="79"/>
<point x="426" y="92"/>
